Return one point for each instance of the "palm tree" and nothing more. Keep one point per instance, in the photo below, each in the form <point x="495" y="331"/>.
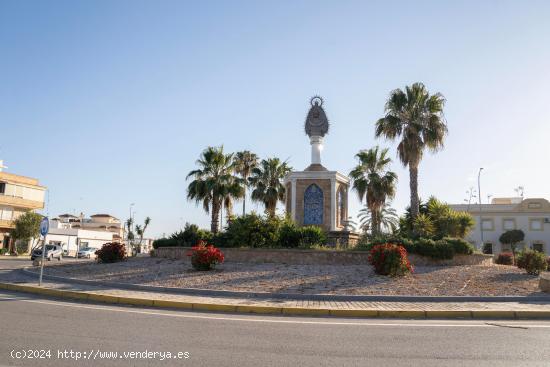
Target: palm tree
<point x="416" y="117"/>
<point x="373" y="183"/>
<point x="267" y="180"/>
<point x="387" y="217"/>
<point x="141" y="230"/>
<point x="129" y="224"/>
<point x="214" y="183"/>
<point x="245" y="162"/>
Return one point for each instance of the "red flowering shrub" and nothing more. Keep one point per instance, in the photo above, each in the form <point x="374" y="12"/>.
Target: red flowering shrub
<point x="505" y="258"/>
<point x="111" y="252"/>
<point x="204" y="256"/>
<point x="390" y="259"/>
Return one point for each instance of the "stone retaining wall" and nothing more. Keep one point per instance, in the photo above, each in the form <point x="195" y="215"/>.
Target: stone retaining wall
<point x="317" y="257"/>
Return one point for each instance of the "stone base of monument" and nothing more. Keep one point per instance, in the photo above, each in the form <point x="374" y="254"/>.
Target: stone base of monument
<point x="343" y="239"/>
<point x="544" y="282"/>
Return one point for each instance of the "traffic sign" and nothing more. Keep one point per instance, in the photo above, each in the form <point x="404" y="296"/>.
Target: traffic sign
<point x="44" y="226"/>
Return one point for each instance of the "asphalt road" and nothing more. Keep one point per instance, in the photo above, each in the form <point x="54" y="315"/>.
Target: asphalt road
<point x="31" y="323"/>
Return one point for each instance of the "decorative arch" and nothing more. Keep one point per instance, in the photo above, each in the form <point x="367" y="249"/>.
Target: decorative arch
<point x="313" y="205"/>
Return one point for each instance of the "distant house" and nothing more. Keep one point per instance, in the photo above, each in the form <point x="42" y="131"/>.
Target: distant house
<point x="76" y="232"/>
<point x="532" y="216"/>
<point x="18" y="194"/>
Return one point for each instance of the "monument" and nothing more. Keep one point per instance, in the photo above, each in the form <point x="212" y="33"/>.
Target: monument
<point x="317" y="196"/>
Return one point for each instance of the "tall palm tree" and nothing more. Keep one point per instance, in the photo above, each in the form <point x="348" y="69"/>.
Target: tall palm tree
<point x="373" y="183"/>
<point x="214" y="183"/>
<point x="388" y="219"/>
<point x="245" y="162"/>
<point x="415" y="117"/>
<point x="267" y="180"/>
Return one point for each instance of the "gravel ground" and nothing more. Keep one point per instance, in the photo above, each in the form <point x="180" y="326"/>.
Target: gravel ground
<point x="474" y="280"/>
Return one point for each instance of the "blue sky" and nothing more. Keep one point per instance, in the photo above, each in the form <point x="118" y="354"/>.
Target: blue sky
<point x="111" y="102"/>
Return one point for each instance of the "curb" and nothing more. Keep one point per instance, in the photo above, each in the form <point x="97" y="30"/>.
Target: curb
<point x="296" y="311"/>
<point x="286" y="296"/>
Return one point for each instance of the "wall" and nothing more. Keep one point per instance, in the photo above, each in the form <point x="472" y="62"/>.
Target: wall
<point x="312" y="257"/>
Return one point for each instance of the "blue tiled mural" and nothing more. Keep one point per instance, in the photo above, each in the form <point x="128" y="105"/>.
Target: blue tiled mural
<point x="313" y="205"/>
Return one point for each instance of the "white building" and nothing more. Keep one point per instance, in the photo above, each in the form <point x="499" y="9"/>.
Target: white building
<point x="76" y="232"/>
<point x="73" y="239"/>
<point x="532" y="216"/>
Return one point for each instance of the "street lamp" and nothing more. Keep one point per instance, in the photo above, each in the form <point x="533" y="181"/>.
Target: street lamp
<point x="480" y="209"/>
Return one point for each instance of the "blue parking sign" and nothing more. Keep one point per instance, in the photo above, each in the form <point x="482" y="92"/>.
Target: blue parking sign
<point x="44" y="226"/>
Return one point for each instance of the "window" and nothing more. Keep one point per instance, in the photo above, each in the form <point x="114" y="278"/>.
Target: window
<point x="534" y="206"/>
<point x="2" y="188"/>
<point x="508" y="224"/>
<point x="488" y="248"/>
<point x="488" y="224"/>
<point x="536" y="224"/>
<point x="537" y="246"/>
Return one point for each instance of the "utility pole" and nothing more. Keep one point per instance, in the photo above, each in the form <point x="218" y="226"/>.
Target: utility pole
<point x="480" y="209"/>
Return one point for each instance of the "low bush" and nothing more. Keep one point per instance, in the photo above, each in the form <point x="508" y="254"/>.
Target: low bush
<point x="366" y="242"/>
<point x="311" y="236"/>
<point x="532" y="261"/>
<point x="204" y="256"/>
<point x="390" y="259"/>
<point x="460" y="246"/>
<point x="441" y="250"/>
<point x="289" y="235"/>
<point x="505" y="258"/>
<point x="548" y="263"/>
<point x="3" y="251"/>
<point x="111" y="252"/>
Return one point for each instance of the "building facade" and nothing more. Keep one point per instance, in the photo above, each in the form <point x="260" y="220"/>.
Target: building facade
<point x="532" y="216"/>
<point x="18" y="194"/>
<point x="96" y="222"/>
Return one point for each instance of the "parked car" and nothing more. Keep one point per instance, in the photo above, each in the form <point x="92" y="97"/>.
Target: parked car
<point x="87" y="252"/>
<point x="52" y="252"/>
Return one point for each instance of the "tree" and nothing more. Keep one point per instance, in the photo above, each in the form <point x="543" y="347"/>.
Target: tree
<point x="27" y="226"/>
<point x="373" y="183"/>
<point x="129" y="225"/>
<point x="387" y="217"/>
<point x="438" y="220"/>
<point x="214" y="183"/>
<point x="416" y="117"/>
<point x="141" y="230"/>
<point x="245" y="162"/>
<point x="267" y="180"/>
<point x="512" y="238"/>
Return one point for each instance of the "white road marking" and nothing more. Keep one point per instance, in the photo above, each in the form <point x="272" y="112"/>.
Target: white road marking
<point x="463" y="324"/>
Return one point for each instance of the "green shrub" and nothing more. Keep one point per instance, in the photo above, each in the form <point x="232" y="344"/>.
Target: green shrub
<point x="191" y="235"/>
<point x="165" y="242"/>
<point x="505" y="258"/>
<point x="441" y="250"/>
<point x="366" y="243"/>
<point x="460" y="246"/>
<point x="111" y="252"/>
<point x="312" y="236"/>
<point x="532" y="261"/>
<point x="289" y="235"/>
<point x="252" y="230"/>
<point x="390" y="259"/>
<point x="3" y="250"/>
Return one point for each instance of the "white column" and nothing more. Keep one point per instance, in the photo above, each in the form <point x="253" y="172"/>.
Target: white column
<point x="293" y="199"/>
<point x="333" y="204"/>
<point x="316" y="148"/>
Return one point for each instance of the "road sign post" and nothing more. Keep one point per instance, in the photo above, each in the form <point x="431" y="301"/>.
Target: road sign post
<point x="44" y="227"/>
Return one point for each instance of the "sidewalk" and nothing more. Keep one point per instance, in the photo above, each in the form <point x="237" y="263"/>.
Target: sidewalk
<point x="104" y="294"/>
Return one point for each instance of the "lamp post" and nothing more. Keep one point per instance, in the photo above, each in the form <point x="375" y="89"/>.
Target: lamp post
<point x="480" y="209"/>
